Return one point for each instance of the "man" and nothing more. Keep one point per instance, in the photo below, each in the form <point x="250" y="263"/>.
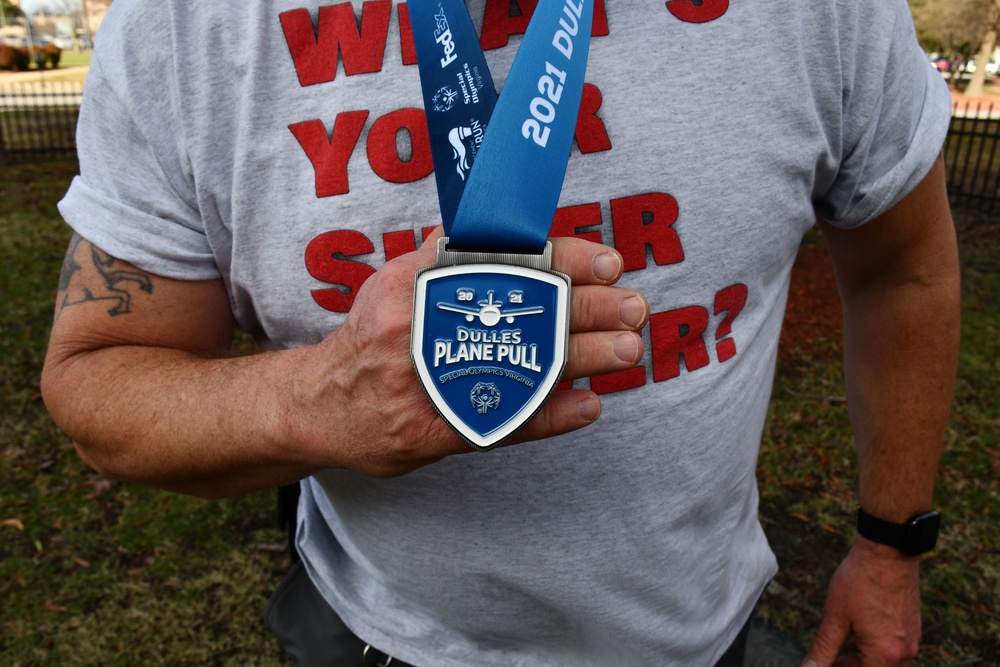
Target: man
<point x="264" y="167"/>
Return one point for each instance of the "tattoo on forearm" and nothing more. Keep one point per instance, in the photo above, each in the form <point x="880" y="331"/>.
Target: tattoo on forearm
<point x="115" y="283"/>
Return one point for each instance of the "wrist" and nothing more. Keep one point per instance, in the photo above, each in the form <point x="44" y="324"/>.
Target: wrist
<point x="915" y="536"/>
<point x="317" y="398"/>
<point x="880" y="552"/>
<point x="291" y="404"/>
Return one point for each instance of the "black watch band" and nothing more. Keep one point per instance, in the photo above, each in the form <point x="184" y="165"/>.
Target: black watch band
<point x="918" y="535"/>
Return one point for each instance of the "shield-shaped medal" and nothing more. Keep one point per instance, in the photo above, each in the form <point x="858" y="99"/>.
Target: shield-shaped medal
<point x="489" y="344"/>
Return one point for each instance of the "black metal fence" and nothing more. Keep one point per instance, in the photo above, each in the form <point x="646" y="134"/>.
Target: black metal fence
<point x="972" y="156"/>
<point x="38" y="120"/>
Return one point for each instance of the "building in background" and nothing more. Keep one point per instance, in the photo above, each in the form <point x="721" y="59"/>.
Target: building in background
<point x="93" y="12"/>
<point x="11" y="23"/>
<point x="70" y="23"/>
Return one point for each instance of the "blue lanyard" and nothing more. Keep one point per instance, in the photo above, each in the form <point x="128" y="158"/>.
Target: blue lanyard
<point x="500" y="163"/>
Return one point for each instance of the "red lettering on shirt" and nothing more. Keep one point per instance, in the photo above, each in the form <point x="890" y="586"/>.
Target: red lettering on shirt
<point x="642" y="225"/>
<point x="398" y="243"/>
<point x="325" y="262"/>
<point x="329" y="154"/>
<point x="499" y="24"/>
<point x="383" y="154"/>
<point x="698" y="11"/>
<point x="646" y="221"/>
<point x="730" y="301"/>
<point x="504" y="18"/>
<point x="591" y="134"/>
<point x="314" y="52"/>
<point x="600" y="22"/>
<point x="631" y="378"/>
<point x="570" y="220"/>
<point x="406" y="43"/>
<point x="678" y="335"/>
<point x="402" y="242"/>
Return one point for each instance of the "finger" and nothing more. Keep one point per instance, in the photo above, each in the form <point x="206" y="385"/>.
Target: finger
<point x="597" y="308"/>
<point x="426" y="253"/>
<point x="404" y="267"/>
<point x="432" y="238"/>
<point x="601" y="352"/>
<point x="565" y="411"/>
<point x="833" y="632"/>
<point x="586" y="263"/>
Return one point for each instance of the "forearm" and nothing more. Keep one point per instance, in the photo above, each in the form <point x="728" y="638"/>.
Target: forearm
<point x="899" y="280"/>
<point x="166" y="417"/>
<point x="900" y="352"/>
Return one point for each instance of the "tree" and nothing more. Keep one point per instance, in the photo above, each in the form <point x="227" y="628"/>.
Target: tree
<point x="9" y="11"/>
<point x="959" y="28"/>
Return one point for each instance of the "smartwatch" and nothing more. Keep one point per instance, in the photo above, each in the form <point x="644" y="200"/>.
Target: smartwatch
<point x="916" y="536"/>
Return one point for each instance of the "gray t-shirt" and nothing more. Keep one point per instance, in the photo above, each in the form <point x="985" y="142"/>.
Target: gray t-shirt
<point x="281" y="146"/>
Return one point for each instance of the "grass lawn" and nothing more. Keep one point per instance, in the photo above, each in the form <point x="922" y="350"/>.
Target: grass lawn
<point x="69" y="59"/>
<point x="94" y="572"/>
<point x="80" y="60"/>
<point x="75" y="58"/>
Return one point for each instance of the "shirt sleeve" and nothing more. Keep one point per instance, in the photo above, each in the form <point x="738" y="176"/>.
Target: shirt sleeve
<point x="895" y="116"/>
<point x="133" y="197"/>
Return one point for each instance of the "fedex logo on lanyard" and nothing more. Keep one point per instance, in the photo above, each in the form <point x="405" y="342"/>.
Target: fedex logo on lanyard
<point x="491" y="319"/>
<point x="443" y="37"/>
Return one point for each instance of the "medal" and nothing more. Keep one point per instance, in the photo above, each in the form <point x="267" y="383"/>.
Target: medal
<point x="491" y="318"/>
<point x="489" y="339"/>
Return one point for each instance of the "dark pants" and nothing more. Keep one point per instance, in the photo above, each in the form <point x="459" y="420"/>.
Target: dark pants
<point x="314" y="636"/>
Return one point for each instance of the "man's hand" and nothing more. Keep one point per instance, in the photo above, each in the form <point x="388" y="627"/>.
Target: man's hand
<point x="359" y="385"/>
<point x="872" y="610"/>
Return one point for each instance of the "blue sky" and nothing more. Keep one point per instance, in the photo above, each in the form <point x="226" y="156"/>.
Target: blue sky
<point x="31" y="6"/>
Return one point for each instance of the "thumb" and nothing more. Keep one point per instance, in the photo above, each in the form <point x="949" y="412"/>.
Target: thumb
<point x="425" y="255"/>
<point x="830" y="638"/>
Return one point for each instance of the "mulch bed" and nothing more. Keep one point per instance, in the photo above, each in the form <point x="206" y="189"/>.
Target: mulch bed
<point x="813" y="323"/>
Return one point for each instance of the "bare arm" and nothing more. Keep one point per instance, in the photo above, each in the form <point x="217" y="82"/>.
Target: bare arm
<point x="137" y="375"/>
<point x="899" y="280"/>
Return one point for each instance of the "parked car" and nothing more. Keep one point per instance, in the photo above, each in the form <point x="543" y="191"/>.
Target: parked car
<point x="64" y="42"/>
<point x="12" y="40"/>
<point x="992" y="67"/>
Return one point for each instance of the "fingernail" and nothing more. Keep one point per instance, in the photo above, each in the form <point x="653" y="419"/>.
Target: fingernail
<point x="810" y="663"/>
<point x="632" y="311"/>
<point x="590" y="409"/>
<point x="607" y="266"/>
<point x="626" y="348"/>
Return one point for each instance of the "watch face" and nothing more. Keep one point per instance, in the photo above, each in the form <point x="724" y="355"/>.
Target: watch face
<point x="922" y="533"/>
